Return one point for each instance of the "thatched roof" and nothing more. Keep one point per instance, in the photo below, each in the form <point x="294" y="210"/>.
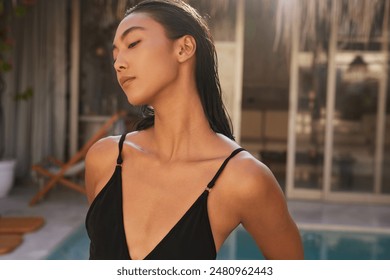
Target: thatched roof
<point x="361" y="19"/>
<point x="117" y="8"/>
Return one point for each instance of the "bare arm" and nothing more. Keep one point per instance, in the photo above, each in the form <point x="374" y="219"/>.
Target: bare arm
<point x="264" y="214"/>
<point x="99" y="165"/>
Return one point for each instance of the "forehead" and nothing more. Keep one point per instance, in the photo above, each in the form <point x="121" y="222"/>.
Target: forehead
<point x="143" y="20"/>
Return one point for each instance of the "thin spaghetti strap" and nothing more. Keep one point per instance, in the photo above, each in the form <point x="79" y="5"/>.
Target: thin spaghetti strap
<point x="212" y="182"/>
<point x="120" y="160"/>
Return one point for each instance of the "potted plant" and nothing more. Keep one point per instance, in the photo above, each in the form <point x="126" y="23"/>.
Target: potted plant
<point x="8" y="10"/>
<point x="7" y="165"/>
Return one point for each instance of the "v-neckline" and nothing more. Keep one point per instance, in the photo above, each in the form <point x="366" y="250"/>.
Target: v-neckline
<point x="205" y="192"/>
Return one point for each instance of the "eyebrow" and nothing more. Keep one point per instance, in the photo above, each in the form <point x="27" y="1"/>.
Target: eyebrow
<point x="127" y="31"/>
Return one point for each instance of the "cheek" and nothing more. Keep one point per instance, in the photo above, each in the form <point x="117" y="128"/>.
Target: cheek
<point x="155" y="69"/>
<point x="166" y="64"/>
<point x="161" y="58"/>
<point x="161" y="70"/>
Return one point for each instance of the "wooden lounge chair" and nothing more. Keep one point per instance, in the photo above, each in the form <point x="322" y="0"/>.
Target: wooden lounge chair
<point x="74" y="164"/>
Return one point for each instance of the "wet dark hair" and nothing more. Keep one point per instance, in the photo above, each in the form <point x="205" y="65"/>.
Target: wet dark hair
<point x="179" y="19"/>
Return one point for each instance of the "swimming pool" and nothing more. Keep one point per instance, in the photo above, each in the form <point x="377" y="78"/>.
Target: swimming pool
<point x="318" y="245"/>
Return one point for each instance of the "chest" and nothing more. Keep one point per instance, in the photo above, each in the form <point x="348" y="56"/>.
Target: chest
<point x="156" y="199"/>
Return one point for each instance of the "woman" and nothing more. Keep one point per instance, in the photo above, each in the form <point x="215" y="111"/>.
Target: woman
<point x="179" y="185"/>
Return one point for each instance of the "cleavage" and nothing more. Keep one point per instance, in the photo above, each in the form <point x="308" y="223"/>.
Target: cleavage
<point x="150" y="213"/>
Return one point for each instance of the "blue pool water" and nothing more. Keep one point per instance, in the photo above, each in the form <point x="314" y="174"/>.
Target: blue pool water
<point x="318" y="245"/>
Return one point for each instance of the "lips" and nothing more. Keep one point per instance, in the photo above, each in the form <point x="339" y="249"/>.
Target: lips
<point x="125" y="80"/>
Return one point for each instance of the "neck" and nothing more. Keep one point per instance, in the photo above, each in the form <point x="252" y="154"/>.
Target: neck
<point x="180" y="125"/>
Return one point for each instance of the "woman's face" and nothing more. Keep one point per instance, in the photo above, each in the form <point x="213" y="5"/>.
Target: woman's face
<point x="144" y="59"/>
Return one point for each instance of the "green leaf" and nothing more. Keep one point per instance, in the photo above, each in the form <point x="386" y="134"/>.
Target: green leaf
<point x="4" y="47"/>
<point x="25" y="95"/>
<point x="20" y="11"/>
<point x="5" y="66"/>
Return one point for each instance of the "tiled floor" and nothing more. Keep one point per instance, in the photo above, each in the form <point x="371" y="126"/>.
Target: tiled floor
<point x="64" y="210"/>
<point x="372" y="218"/>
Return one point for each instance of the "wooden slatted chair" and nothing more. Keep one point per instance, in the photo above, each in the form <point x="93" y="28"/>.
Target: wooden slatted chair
<point x="72" y="166"/>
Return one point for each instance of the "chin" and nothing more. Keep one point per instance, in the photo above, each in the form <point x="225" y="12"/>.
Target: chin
<point x="136" y="100"/>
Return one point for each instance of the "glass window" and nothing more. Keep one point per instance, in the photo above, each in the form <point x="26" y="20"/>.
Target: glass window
<point x="354" y="125"/>
<point x="310" y="126"/>
<point x="385" y="188"/>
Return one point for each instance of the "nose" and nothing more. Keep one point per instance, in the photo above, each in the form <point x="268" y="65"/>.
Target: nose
<point x="120" y="64"/>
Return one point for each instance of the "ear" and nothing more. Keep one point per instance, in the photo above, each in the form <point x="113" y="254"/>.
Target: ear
<point x="185" y="48"/>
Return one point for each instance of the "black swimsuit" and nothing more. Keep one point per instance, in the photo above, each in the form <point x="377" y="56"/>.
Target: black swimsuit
<point x="190" y="239"/>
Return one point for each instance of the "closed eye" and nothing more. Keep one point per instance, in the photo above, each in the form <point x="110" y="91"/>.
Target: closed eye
<point x="132" y="45"/>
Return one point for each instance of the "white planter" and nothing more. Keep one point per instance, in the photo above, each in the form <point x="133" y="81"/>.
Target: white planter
<point x="7" y="170"/>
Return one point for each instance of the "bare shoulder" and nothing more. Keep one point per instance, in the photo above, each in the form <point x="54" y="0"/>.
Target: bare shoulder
<point x="252" y="179"/>
<point x="100" y="161"/>
<point x="249" y="179"/>
<point x="261" y="206"/>
<point x="256" y="190"/>
<point x="102" y="152"/>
